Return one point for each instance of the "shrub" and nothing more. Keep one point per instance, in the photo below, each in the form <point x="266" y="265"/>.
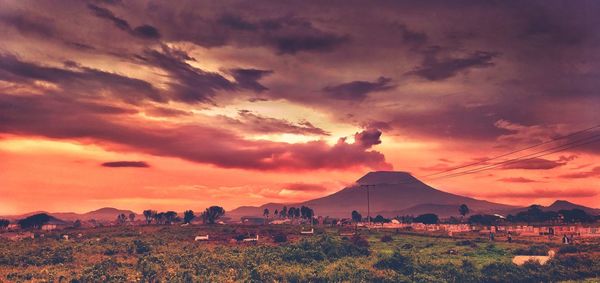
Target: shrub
<point x="280" y="238"/>
<point x="387" y="238"/>
<point x="568" y="250"/>
<point x="532" y="250"/>
<point x="397" y="262"/>
<point x="141" y="247"/>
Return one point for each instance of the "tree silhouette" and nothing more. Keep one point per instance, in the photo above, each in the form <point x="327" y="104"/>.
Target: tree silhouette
<point x="428" y="218"/>
<point x="77" y="223"/>
<point x="121" y="219"/>
<point x="356" y="217"/>
<point x="170" y="216"/>
<point x="188" y="216"/>
<point x="212" y="214"/>
<point x="276" y="213"/>
<point x="266" y="213"/>
<point x="35" y="221"/>
<point x="283" y="212"/>
<point x="131" y="217"/>
<point x="149" y="214"/>
<point x="379" y="219"/>
<point x="463" y="209"/>
<point x="4" y="223"/>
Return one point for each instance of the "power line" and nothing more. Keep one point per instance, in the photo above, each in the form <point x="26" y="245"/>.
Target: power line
<point x="529" y="157"/>
<point x="513" y="152"/>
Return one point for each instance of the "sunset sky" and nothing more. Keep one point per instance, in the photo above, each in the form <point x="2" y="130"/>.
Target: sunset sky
<point x="185" y="104"/>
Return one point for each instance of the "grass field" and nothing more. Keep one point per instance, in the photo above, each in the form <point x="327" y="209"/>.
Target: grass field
<point x="169" y="254"/>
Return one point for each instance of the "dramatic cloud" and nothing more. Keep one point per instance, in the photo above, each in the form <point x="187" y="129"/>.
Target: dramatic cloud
<point x="434" y="69"/>
<point x="192" y="85"/>
<point x="248" y="78"/>
<point x="264" y="125"/>
<point x="135" y="164"/>
<point x="358" y="90"/>
<point x="143" y="31"/>
<point x="82" y="81"/>
<point x="26" y="115"/>
<point x="368" y="138"/>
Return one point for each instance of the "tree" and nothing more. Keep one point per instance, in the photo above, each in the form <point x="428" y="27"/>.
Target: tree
<point x="484" y="219"/>
<point x="463" y="209"/>
<point x="121" y="219"/>
<point x="276" y="213"/>
<point x="149" y="214"/>
<point x="212" y="214"/>
<point x="188" y="216"/>
<point x="356" y="217"/>
<point x="35" y="221"/>
<point x="159" y="217"/>
<point x="380" y="219"/>
<point x="77" y="223"/>
<point x="170" y="216"/>
<point x="266" y="213"/>
<point x="4" y="223"/>
<point x="283" y="212"/>
<point x="428" y="218"/>
<point x="131" y="217"/>
<point x="297" y="213"/>
<point x="291" y="212"/>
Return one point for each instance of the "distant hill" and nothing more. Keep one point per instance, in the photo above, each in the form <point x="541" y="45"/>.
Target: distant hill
<point x="391" y="193"/>
<point x="103" y="214"/>
<point x="560" y="205"/>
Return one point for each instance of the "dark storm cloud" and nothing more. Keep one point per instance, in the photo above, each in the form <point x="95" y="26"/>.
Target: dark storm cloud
<point x="255" y="123"/>
<point x="143" y="31"/>
<point x="120" y="164"/>
<point x="368" y="138"/>
<point x="248" y="78"/>
<point x="358" y="90"/>
<point x="189" y="84"/>
<point x="434" y="68"/>
<point x="285" y="34"/>
<point x="28" y="115"/>
<point x="29" y="24"/>
<point x="81" y="80"/>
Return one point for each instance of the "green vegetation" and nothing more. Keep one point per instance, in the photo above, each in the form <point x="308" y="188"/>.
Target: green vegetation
<point x="168" y="254"/>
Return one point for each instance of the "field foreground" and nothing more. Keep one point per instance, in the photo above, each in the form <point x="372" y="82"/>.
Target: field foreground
<point x="170" y="254"/>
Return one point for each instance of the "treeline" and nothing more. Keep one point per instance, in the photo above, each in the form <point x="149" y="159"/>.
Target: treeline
<point x="303" y="212"/>
<point x="208" y="216"/>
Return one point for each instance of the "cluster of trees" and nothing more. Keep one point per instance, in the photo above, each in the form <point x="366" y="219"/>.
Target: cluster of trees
<point x="4" y="223"/>
<point x="535" y="214"/>
<point x="210" y="216"/>
<point x="303" y="212"/>
<point x="168" y="217"/>
<point x="122" y="218"/>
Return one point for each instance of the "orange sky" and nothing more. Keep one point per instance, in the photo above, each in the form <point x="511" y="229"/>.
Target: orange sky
<point x="229" y="104"/>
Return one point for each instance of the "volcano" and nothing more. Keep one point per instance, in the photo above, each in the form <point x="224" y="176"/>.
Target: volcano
<point x="391" y="193"/>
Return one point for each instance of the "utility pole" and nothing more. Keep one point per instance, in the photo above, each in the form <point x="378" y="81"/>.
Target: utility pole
<point x="368" y="204"/>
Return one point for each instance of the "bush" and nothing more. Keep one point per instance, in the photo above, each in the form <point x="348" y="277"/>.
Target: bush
<point x="397" y="262"/>
<point x="533" y="250"/>
<point x="141" y="247"/>
<point x="568" y="249"/>
<point x="280" y="238"/>
<point x="387" y="238"/>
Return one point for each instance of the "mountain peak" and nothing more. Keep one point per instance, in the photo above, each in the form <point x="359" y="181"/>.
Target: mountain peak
<point x="386" y="177"/>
